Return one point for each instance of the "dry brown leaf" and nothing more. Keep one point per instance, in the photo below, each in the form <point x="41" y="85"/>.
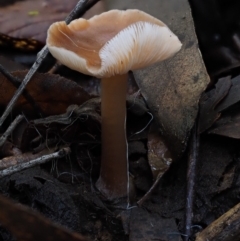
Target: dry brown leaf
<point x="34" y="17"/>
<point x="228" y="125"/>
<point x="233" y="96"/>
<point x="28" y="225"/>
<point x="52" y="93"/>
<point x="208" y="102"/>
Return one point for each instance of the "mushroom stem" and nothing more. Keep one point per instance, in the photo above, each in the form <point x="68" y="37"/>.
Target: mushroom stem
<point x="113" y="180"/>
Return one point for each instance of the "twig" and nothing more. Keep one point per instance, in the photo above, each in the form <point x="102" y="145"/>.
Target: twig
<point x="9" y="130"/>
<point x="21" y="158"/>
<point x="40" y="57"/>
<point x="225" y="228"/>
<point x="149" y="192"/>
<point x="80" y="8"/>
<point x="193" y="155"/>
<point x="16" y="82"/>
<point x="145" y="127"/>
<point x="59" y="154"/>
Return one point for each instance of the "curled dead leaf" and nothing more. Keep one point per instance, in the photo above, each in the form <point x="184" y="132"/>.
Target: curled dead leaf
<point x="208" y="113"/>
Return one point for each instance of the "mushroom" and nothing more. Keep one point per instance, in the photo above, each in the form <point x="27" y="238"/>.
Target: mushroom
<point x="108" y="46"/>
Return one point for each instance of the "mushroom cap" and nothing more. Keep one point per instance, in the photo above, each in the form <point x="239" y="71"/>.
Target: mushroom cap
<point x="112" y="43"/>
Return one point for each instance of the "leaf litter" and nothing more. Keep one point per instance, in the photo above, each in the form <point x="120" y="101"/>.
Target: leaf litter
<point x="161" y="216"/>
<point x="219" y="109"/>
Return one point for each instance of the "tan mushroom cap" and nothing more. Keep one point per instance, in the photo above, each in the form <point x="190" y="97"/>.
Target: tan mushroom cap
<point x="112" y="43"/>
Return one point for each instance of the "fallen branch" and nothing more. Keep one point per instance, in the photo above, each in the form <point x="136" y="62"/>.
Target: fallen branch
<point x="225" y="228"/>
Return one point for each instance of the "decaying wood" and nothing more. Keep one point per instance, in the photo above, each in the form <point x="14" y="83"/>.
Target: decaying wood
<point x="225" y="228"/>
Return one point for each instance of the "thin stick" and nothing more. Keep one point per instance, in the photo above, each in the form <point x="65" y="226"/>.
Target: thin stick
<point x="40" y="57"/>
<point x="59" y="154"/>
<point x="149" y="192"/>
<point x="16" y="82"/>
<point x="81" y="7"/>
<point x="9" y="130"/>
<point x="193" y="155"/>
